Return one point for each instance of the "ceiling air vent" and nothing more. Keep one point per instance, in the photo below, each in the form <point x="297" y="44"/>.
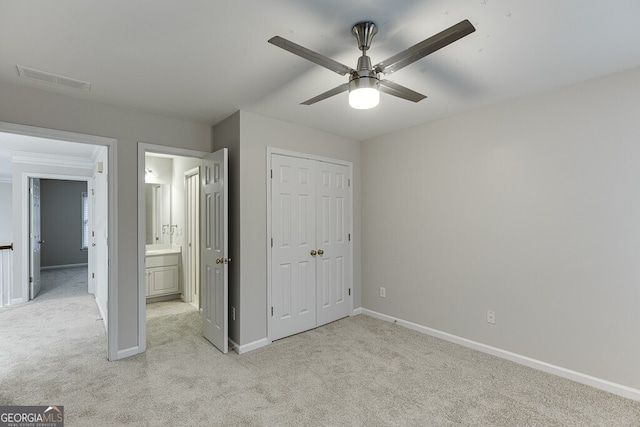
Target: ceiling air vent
<point x="42" y="76"/>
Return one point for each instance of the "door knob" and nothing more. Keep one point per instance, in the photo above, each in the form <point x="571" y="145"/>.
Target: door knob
<point x="218" y="260"/>
<point x="320" y="252"/>
<point x="41" y="241"/>
<point x="313" y="252"/>
<point x="93" y="244"/>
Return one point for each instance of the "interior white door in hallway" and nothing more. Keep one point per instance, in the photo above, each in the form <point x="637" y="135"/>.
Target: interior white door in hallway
<point x="34" y="237"/>
<point x="192" y="251"/>
<point x="310" y="250"/>
<point x="214" y="249"/>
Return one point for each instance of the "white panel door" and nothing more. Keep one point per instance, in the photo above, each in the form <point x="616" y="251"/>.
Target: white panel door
<point x="34" y="237"/>
<point x="214" y="246"/>
<point x="332" y="242"/>
<point x="293" y="267"/>
<point x="192" y="267"/>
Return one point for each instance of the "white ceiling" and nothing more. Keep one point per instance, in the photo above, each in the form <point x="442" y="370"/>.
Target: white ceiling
<point x="203" y="60"/>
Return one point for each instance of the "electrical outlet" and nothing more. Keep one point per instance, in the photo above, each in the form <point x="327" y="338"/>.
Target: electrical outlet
<point x="491" y="316"/>
<point x="233" y="313"/>
<point x="383" y="292"/>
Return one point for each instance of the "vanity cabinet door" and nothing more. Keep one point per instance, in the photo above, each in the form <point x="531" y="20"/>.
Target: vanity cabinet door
<point x="162" y="280"/>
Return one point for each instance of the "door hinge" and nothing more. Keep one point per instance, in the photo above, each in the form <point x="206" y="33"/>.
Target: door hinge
<point x="271" y="173"/>
<point x="349" y="291"/>
<point x="30" y="279"/>
<point x="349" y="236"/>
<point x="349" y="182"/>
<point x="93" y="275"/>
<point x="271" y="311"/>
<point x="272" y="242"/>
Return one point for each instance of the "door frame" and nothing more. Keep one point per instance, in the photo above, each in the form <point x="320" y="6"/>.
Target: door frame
<point x="21" y="245"/>
<point x="289" y="153"/>
<point x="143" y="149"/>
<point x="187" y="176"/>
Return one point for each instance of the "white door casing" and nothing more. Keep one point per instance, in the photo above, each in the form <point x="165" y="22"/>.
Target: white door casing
<point x="34" y="237"/>
<point x="214" y="247"/>
<point x="91" y="249"/>
<point x="310" y="256"/>
<point x="293" y="295"/>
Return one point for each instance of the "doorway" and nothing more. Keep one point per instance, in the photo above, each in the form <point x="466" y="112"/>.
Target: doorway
<point x="52" y="154"/>
<point x="171" y="267"/>
<point x="59" y="231"/>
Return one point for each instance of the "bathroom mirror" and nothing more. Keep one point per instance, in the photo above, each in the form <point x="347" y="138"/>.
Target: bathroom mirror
<point x="158" y="213"/>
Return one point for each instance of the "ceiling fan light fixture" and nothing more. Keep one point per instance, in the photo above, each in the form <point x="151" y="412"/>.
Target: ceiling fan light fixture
<point x="364" y="93"/>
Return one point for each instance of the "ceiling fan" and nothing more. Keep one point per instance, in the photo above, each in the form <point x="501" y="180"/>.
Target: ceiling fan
<point x="364" y="83"/>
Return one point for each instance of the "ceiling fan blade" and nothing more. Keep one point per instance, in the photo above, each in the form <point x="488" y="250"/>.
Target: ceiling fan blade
<point x="310" y="55"/>
<point x="336" y="90"/>
<point x="425" y="47"/>
<point x="400" y="91"/>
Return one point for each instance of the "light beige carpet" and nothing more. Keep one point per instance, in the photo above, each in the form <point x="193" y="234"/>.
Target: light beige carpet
<point x="358" y="371"/>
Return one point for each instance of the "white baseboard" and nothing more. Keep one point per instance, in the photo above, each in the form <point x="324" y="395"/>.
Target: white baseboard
<point x="102" y="314"/>
<point x="599" y="383"/>
<point x="17" y="301"/>
<point x="356" y="311"/>
<point x="59" y="267"/>
<point x="127" y="352"/>
<point x="241" y="349"/>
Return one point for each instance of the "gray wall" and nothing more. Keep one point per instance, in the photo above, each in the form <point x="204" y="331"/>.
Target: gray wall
<point x="39" y="108"/>
<point x="6" y="215"/>
<point x="61" y="222"/>
<point x="248" y="210"/>
<point x="530" y="208"/>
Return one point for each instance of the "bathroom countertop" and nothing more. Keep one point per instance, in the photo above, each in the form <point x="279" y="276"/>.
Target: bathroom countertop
<point x="152" y="250"/>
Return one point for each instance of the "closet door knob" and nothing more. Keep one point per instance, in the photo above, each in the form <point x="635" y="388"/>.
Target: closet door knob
<point x="313" y="252"/>
<point x="320" y="252"/>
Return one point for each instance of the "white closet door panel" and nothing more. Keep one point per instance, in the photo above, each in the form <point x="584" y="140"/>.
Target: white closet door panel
<point x="333" y="243"/>
<point x="293" y="269"/>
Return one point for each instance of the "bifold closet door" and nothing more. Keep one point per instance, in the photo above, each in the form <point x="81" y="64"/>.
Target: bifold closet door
<point x="332" y="242"/>
<point x="310" y="255"/>
<point x="293" y="271"/>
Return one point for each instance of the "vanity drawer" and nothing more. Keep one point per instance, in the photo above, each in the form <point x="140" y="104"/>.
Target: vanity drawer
<point x="162" y="260"/>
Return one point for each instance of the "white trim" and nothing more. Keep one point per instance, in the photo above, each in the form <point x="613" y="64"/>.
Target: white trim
<point x="579" y="377"/>
<point x="357" y="311"/>
<point x="17" y="301"/>
<point x="289" y="153"/>
<point x="59" y="267"/>
<point x="53" y="160"/>
<point x="144" y="148"/>
<point x="242" y="349"/>
<point x="104" y="318"/>
<point x="112" y="236"/>
<point x="127" y="352"/>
